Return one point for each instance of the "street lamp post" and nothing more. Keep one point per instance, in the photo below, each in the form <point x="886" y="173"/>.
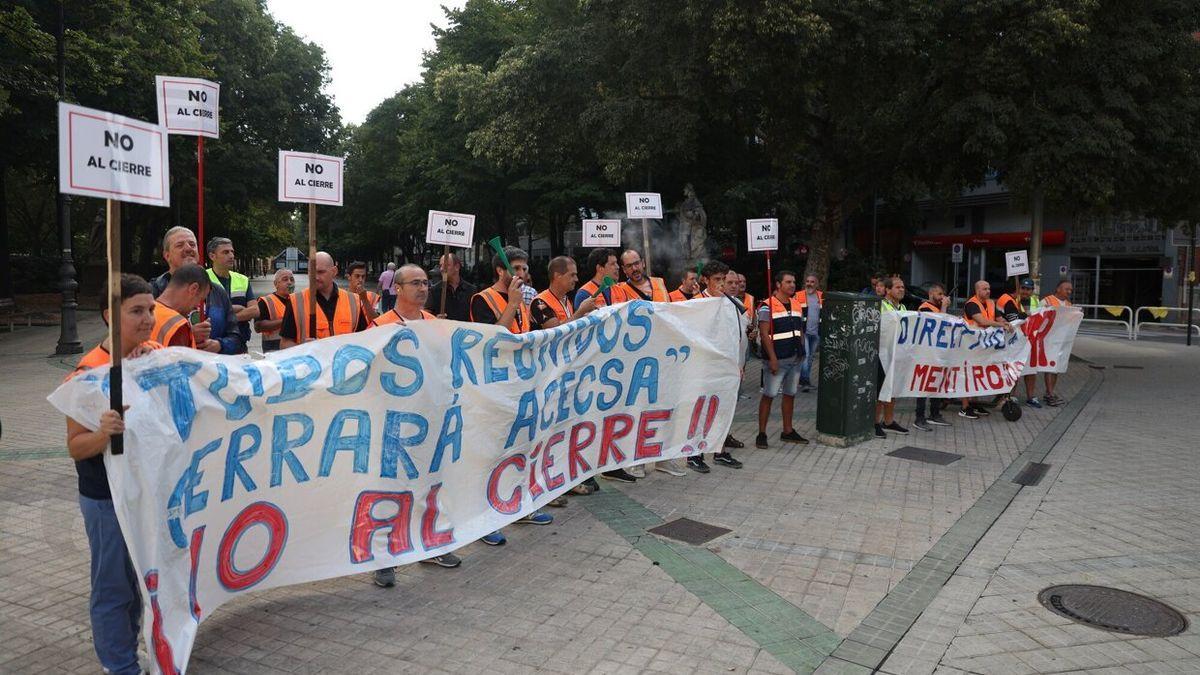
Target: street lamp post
<point x="68" y="336"/>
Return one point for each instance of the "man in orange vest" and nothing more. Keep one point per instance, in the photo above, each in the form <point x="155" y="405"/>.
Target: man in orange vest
<point x="356" y="274"/>
<point x="689" y="286"/>
<point x="781" y="325"/>
<point x="411" y="286"/>
<point x="938" y="302"/>
<point x="810" y="299"/>
<point x="272" y="307"/>
<point x="411" y="289"/>
<point x="602" y="262"/>
<point x="116" y="601"/>
<point x="178" y="310"/>
<point x="553" y="306"/>
<point x="503" y="304"/>
<point x="1060" y="298"/>
<point x="323" y="310"/>
<point x="637" y="284"/>
<point x="980" y="312"/>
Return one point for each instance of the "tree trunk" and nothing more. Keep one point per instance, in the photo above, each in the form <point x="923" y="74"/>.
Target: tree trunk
<point x="825" y="231"/>
<point x="6" y="285"/>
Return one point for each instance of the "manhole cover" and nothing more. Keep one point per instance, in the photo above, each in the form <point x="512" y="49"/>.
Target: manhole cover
<point x="1113" y="610"/>
<point x="925" y="455"/>
<point x="689" y="531"/>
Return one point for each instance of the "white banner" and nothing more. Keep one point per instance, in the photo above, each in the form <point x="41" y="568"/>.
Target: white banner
<point x="926" y="354"/>
<point x="390" y="446"/>
<point x="188" y="106"/>
<point x="112" y="157"/>
<point x="310" y="178"/>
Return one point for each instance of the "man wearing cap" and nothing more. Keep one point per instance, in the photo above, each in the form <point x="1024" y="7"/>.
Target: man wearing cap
<point x="1019" y="307"/>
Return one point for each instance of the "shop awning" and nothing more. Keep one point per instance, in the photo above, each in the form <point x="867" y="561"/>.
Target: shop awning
<point x="994" y="240"/>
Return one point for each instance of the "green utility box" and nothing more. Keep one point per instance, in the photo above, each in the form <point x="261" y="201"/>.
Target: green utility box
<point x="849" y="369"/>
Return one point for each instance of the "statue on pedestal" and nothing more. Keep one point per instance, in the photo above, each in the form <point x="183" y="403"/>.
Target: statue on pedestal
<point x="693" y="229"/>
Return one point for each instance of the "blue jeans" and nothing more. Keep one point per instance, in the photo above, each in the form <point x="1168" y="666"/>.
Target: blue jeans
<point x="116" y="602"/>
<point x="812" y="342"/>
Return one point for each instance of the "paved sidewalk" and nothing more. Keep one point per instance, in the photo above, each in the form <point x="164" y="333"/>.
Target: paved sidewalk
<point x="824" y="543"/>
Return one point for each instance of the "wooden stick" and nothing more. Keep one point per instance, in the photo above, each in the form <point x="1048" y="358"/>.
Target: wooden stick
<point x="445" y="282"/>
<point x="117" y="442"/>
<point x="312" y="263"/>
<point x="646" y="247"/>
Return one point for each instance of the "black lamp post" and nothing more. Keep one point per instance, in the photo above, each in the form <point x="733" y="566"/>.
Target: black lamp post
<point x="68" y="336"/>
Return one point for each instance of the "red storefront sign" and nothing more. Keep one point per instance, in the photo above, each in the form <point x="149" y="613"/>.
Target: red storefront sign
<point x="995" y="240"/>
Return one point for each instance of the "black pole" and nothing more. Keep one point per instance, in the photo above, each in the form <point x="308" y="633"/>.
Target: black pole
<point x="68" y="336"/>
<point x="1191" y="285"/>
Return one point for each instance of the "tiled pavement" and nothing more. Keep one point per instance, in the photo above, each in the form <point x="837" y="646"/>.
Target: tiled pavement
<point x="820" y="537"/>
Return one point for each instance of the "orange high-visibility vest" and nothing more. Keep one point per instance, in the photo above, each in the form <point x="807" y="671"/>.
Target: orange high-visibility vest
<point x="498" y="303"/>
<point x="988" y="308"/>
<point x="561" y="310"/>
<point x="99" y="356"/>
<point x="928" y="306"/>
<point x="748" y="303"/>
<point x="305" y="309"/>
<point x="658" y="291"/>
<point x="275" y="311"/>
<point x="802" y="296"/>
<point x="617" y="291"/>
<point x="168" y="322"/>
<point x="392" y="316"/>
<point x="678" y="296"/>
<point x="1053" y="301"/>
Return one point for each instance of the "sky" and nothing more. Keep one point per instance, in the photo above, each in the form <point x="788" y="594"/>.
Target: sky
<point x="374" y="47"/>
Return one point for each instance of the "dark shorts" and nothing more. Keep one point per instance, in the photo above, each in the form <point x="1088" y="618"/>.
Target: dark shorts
<point x="879" y="375"/>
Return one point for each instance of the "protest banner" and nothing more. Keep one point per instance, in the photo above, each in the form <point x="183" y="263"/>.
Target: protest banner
<point x="118" y="159"/>
<point x="932" y="355"/>
<point x="389" y="446"/>
<point x="601" y="233"/>
<point x="189" y="106"/>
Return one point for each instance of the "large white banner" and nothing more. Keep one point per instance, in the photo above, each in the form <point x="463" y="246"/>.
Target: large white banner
<point x="926" y="354"/>
<point x="385" y="447"/>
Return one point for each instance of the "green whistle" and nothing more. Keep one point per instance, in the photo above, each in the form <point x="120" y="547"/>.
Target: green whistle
<point x="494" y="242"/>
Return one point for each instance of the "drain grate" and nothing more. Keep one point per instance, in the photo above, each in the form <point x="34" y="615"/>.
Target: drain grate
<point x="689" y="531"/>
<point x="1032" y="474"/>
<point x="925" y="455"/>
<point x="1113" y="609"/>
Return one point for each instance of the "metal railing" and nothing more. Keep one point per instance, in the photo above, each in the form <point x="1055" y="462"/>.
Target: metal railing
<point x="1138" y="322"/>
<point x="1125" y="324"/>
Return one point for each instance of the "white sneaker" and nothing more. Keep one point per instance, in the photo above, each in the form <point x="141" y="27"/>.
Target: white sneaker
<point x="669" y="468"/>
<point x="638" y="471"/>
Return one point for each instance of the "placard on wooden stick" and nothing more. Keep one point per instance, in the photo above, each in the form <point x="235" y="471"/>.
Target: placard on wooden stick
<point x="310" y="178"/>
<point x="188" y="106"/>
<point x="598" y="233"/>
<point x="762" y="234"/>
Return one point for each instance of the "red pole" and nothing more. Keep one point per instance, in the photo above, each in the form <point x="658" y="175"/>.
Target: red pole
<point x="200" y="191"/>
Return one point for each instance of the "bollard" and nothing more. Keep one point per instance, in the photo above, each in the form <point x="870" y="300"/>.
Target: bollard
<point x="849" y="369"/>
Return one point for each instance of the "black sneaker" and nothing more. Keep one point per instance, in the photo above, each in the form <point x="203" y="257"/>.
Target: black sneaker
<point x="697" y="464"/>
<point x="895" y="428"/>
<point x="879" y="433"/>
<point x="726" y="459"/>
<point x="922" y="425"/>
<point x="793" y="437"/>
<point x="448" y="560"/>
<point x="938" y="421"/>
<point x="982" y="412"/>
<point x="760" y="441"/>
<point x="619" y="475"/>
<point x="385" y="577"/>
<point x="731" y="442"/>
<point x="968" y="413"/>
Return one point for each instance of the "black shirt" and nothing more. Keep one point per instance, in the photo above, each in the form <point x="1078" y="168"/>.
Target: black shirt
<point x="1012" y="310"/>
<point x="481" y="312"/>
<point x="971" y="309"/>
<point x="458" y="300"/>
<point x="328" y="307"/>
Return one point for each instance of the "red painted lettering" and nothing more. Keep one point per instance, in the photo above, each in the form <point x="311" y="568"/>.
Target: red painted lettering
<point x="644" y="448"/>
<point x="258" y="513"/>
<point x="575" y="460"/>
<point x="512" y="504"/>
<point x="611" y="435"/>
<point x="431" y="537"/>
<point x="553" y="481"/>
<point x="364" y="524"/>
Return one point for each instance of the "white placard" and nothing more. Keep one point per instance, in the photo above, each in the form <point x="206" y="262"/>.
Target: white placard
<point x="643" y="205"/>
<point x="188" y="106"/>
<point x="450" y="229"/>
<point x="112" y="157"/>
<point x="1016" y="262"/>
<point x="956" y="253"/>
<point x="306" y="177"/>
<point x="602" y="233"/>
<point x="762" y="234"/>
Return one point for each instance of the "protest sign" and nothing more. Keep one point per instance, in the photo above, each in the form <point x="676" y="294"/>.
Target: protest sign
<point x="602" y="234"/>
<point x="643" y="205"/>
<point x="450" y="229"/>
<point x="762" y="234"/>
<point x="111" y="157"/>
<point x="1016" y="263"/>
<point x="385" y="447"/>
<point x="927" y="354"/>
<point x="188" y="106"/>
<point x="310" y="178"/>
